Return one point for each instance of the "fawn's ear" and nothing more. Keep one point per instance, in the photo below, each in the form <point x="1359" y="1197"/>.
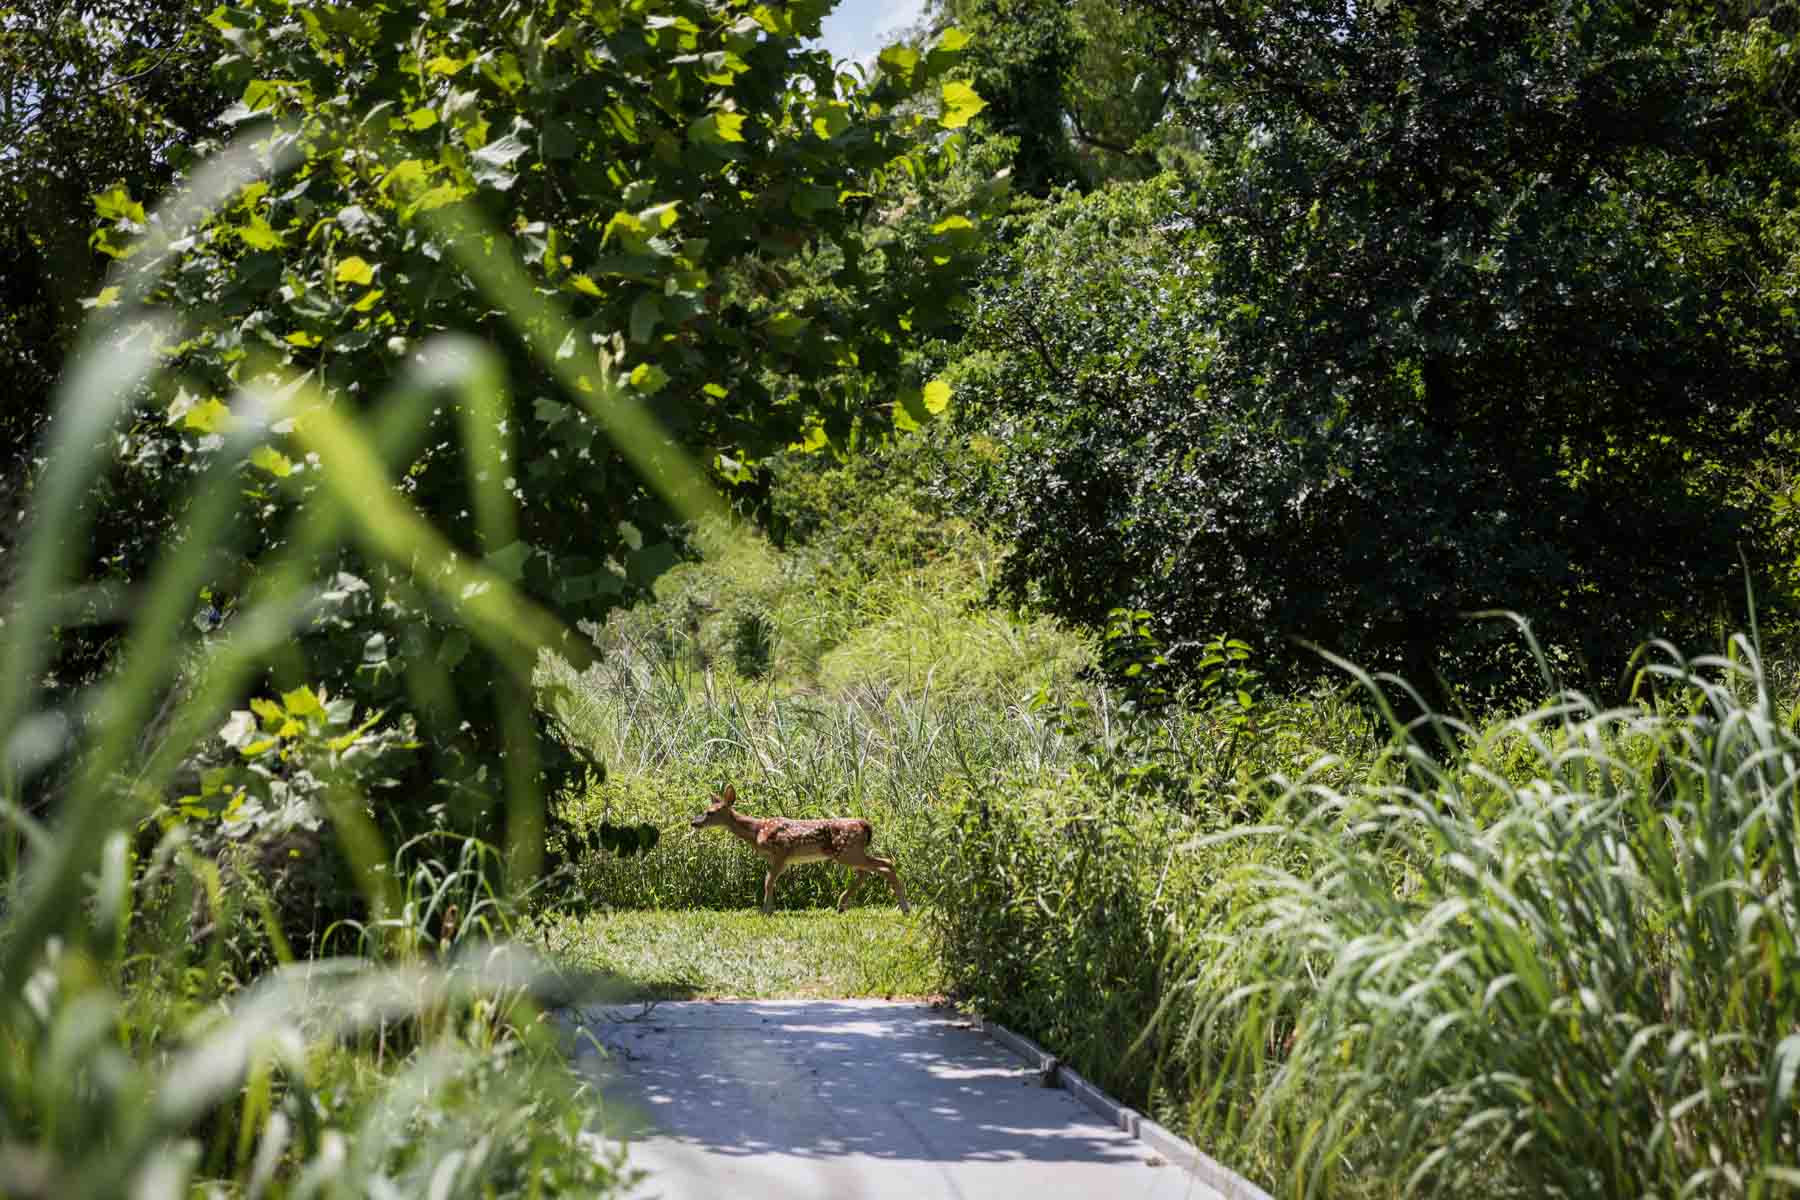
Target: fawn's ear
<point x="729" y="795"/>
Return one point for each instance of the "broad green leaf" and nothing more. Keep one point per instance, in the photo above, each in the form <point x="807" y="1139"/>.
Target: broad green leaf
<point x="645" y="313"/>
<point x="493" y="162"/>
<point x="302" y="702"/>
<point x="961" y="103"/>
<point x="649" y="378"/>
<point x="208" y="416"/>
<point x="273" y="461"/>
<point x="718" y="127"/>
<point x="259" y="236"/>
<point x="645" y="566"/>
<point x="723" y="67"/>
<point x="442" y="195"/>
<point x="936" y="396"/>
<point x="900" y="60"/>
<point x="625" y="226"/>
<point x="355" y="270"/>
<point x="831" y="120"/>
<point x="406" y="174"/>
<point x="106" y="298"/>
<point x="661" y="216"/>
<point x="910" y="412"/>
<point x="810" y="200"/>
<point x="952" y="39"/>
<point x="585" y="285"/>
<point x="508" y="562"/>
<point x="116" y="204"/>
<point x="447" y="66"/>
<point x="814" y="441"/>
<point x="302" y="339"/>
<point x="226" y="19"/>
<point x="261" y="95"/>
<point x="421" y="118"/>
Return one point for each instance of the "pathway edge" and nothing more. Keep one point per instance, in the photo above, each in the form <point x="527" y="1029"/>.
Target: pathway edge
<point x="1164" y="1141"/>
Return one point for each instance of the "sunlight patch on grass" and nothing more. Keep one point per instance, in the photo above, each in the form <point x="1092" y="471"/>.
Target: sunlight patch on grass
<point x="704" y="954"/>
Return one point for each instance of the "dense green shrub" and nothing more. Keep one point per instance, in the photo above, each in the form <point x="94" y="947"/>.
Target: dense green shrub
<point x="1058" y="907"/>
<point x="1458" y="313"/>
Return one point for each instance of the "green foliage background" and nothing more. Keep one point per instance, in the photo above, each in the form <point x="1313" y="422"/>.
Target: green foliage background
<point x="509" y="424"/>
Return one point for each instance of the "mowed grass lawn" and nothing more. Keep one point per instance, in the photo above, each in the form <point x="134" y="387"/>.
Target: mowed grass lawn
<point x="707" y="954"/>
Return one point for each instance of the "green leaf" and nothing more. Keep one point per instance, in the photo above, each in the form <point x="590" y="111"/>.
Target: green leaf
<point x="910" y="413"/>
<point x="936" y="397"/>
<point x="649" y="378"/>
<point x="116" y="204"/>
<point x="647" y="565"/>
<point x="406" y="175"/>
<point x="273" y="461"/>
<point x="831" y="120"/>
<point x="259" y="236"/>
<point x="660" y="217"/>
<point x="442" y="195"/>
<point x="355" y="270"/>
<point x="509" y="561"/>
<point x="645" y="314"/>
<point x="815" y="440"/>
<point x="421" y="118"/>
<point x="447" y="66"/>
<point x="900" y="61"/>
<point x="492" y="163"/>
<point x="302" y="702"/>
<point x="624" y="226"/>
<point x="717" y="128"/>
<point x="961" y="103"/>
<point x="208" y="416"/>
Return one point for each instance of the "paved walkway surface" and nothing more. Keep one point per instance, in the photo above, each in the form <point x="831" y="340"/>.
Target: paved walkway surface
<point x="848" y="1100"/>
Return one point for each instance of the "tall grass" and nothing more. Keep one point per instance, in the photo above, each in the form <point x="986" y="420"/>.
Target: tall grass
<point x="1554" y="955"/>
<point x="813" y="683"/>
<point x="671" y="735"/>
<point x="1564" y="965"/>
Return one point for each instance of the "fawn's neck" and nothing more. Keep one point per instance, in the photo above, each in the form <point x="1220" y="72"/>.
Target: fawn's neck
<point x="743" y="827"/>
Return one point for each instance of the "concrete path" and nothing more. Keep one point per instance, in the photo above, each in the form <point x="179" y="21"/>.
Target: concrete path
<point x="849" y="1100"/>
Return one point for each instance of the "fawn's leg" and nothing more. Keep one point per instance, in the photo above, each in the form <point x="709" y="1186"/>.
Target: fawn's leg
<point x="862" y="860"/>
<point x="775" y="868"/>
<point x="857" y="879"/>
<point x="887" y="869"/>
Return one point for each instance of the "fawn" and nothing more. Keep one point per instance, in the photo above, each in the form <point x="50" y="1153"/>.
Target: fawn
<point x="783" y="842"/>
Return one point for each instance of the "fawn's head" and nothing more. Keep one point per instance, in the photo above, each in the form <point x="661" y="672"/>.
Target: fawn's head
<point x="718" y="812"/>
